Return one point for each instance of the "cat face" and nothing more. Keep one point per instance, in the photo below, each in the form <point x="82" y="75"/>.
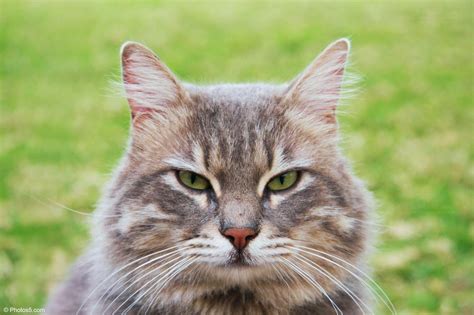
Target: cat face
<point x="236" y="180"/>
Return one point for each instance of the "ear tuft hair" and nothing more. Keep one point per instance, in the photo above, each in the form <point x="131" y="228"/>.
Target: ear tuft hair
<point x="319" y="88"/>
<point x="149" y="85"/>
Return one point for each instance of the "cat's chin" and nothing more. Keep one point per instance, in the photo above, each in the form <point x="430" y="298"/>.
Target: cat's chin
<point x="239" y="273"/>
<point x="238" y="264"/>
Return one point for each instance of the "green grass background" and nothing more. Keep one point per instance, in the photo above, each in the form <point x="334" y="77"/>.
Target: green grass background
<point x="409" y="131"/>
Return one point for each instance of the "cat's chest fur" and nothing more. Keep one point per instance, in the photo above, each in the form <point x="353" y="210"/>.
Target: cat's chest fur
<point x="239" y="301"/>
<point x="260" y="300"/>
<point x="207" y="298"/>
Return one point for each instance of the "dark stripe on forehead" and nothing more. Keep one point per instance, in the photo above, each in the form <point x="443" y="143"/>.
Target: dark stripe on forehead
<point x="205" y="157"/>
<point x="269" y="147"/>
<point x="239" y="153"/>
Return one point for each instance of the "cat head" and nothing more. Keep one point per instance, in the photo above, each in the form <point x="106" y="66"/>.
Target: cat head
<point x="235" y="181"/>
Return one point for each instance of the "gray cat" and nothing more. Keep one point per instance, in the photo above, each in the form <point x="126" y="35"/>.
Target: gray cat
<point x="230" y="199"/>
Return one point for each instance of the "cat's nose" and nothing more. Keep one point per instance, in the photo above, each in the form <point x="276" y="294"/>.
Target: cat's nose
<point x="240" y="237"/>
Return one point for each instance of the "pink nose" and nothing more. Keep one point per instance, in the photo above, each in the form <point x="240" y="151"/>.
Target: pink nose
<point x="240" y="237"/>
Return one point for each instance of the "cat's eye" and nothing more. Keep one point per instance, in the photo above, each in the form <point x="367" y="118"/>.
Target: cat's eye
<point x="193" y="180"/>
<point x="283" y="181"/>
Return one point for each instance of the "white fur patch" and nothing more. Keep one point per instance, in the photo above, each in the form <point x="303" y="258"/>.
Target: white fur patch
<point x="263" y="248"/>
<point x="131" y="216"/>
<point x="344" y="222"/>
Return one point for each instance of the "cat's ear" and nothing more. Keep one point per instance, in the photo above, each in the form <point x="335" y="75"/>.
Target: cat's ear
<point x="149" y="84"/>
<point x="315" y="93"/>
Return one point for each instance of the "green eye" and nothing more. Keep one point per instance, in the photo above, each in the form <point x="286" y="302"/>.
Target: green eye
<point x="283" y="181"/>
<point x="193" y="180"/>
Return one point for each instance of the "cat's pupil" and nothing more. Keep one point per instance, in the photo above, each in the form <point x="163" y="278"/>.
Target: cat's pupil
<point x="282" y="179"/>
<point x="193" y="178"/>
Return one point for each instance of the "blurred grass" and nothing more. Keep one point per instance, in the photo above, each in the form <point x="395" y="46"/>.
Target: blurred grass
<point x="409" y="131"/>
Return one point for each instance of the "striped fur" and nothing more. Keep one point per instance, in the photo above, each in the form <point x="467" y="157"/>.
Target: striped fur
<point x="238" y="136"/>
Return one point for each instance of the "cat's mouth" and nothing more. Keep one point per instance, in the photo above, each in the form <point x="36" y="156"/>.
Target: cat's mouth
<point x="238" y="258"/>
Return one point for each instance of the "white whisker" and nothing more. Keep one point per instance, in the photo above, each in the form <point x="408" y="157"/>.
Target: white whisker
<point x="321" y="270"/>
<point x="162" y="276"/>
<point x="281" y="276"/>
<point x="173" y="253"/>
<point x="117" y="271"/>
<point x="385" y="299"/>
<point x="313" y="282"/>
<point x="50" y="202"/>
<point x="161" y="287"/>
<point x="136" y="281"/>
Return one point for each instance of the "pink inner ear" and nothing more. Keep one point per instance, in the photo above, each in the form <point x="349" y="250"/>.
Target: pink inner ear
<point x="136" y="111"/>
<point x="321" y="87"/>
<point x="335" y="76"/>
<point x="329" y="115"/>
<point x="149" y="85"/>
<point x="128" y="78"/>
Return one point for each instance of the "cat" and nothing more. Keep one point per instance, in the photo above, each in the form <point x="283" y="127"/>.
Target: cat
<point x="230" y="199"/>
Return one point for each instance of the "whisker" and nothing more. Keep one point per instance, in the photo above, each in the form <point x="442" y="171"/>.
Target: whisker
<point x="117" y="271"/>
<point x="292" y="276"/>
<point x="281" y="276"/>
<point x="314" y="283"/>
<point x="136" y="281"/>
<point x="321" y="270"/>
<point x="385" y="299"/>
<point x="166" y="273"/>
<point x="160" y="288"/>
<point x="173" y="253"/>
<point x="50" y="202"/>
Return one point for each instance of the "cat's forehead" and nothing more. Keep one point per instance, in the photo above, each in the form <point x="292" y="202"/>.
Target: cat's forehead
<point x="231" y="128"/>
<point x="241" y="115"/>
<point x="231" y="131"/>
<point x="227" y="96"/>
